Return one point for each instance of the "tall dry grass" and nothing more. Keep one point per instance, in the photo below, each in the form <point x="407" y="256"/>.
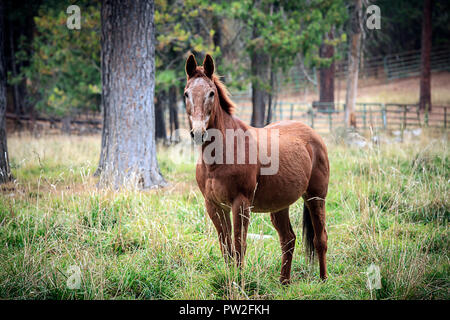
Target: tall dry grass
<point x="387" y="205"/>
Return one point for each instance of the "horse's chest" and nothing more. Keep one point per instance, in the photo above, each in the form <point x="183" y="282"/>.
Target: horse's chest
<point x="223" y="190"/>
<point x="218" y="191"/>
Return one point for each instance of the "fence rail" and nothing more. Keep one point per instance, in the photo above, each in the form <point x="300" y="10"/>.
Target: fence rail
<point x="388" y="67"/>
<point x="324" y="118"/>
<point x="374" y="115"/>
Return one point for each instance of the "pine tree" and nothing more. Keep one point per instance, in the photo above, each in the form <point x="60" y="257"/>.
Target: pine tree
<point x="128" y="154"/>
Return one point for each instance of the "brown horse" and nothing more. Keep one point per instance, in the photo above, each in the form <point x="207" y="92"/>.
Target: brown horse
<point x="303" y="171"/>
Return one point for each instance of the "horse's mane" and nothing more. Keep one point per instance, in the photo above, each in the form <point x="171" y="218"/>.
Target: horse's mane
<point x="224" y="95"/>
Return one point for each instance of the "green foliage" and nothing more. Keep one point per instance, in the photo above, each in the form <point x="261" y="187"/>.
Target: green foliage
<point x="287" y="30"/>
<point x="63" y="74"/>
<point x="401" y="27"/>
<point x="62" y="66"/>
<point x="181" y="28"/>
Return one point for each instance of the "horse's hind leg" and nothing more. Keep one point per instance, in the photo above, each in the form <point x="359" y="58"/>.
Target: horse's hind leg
<point x="241" y="219"/>
<point x="282" y="224"/>
<point x="221" y="220"/>
<point x="315" y="203"/>
<point x="316" y="206"/>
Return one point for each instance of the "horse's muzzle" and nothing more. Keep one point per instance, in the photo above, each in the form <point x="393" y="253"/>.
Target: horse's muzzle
<point x="199" y="136"/>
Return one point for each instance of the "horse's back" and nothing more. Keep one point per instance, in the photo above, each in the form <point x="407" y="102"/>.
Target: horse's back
<point x="292" y="131"/>
<point x="293" y="127"/>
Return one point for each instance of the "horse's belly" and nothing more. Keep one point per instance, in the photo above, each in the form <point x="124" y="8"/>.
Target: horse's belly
<point x="278" y="191"/>
<point x="272" y="194"/>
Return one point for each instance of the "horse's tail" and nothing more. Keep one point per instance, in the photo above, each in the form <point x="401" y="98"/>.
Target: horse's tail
<point x="308" y="233"/>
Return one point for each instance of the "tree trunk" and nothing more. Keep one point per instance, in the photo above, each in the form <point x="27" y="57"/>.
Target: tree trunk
<point x="105" y="134"/>
<point x="217" y="37"/>
<point x="173" y="114"/>
<point x="160" y="125"/>
<point x="5" y="173"/>
<point x="271" y="95"/>
<point x="128" y="156"/>
<point x="326" y="75"/>
<point x="259" y="70"/>
<point x="425" y="75"/>
<point x="16" y="95"/>
<point x="353" y="65"/>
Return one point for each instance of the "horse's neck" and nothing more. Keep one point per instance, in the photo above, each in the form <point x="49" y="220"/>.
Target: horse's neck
<point x="224" y="121"/>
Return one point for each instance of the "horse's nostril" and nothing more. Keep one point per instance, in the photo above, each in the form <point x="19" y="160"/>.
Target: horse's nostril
<point x="192" y="134"/>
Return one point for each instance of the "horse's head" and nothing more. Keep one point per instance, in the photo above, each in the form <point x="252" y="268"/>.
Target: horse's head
<point x="201" y="97"/>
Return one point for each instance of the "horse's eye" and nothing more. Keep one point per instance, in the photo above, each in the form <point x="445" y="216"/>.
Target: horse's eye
<point x="186" y="95"/>
<point x="211" y="94"/>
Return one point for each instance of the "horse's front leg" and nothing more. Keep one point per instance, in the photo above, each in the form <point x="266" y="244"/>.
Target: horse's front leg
<point x="241" y="219"/>
<point x="221" y="220"/>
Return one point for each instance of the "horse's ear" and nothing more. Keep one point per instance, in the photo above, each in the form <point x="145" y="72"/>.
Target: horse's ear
<point x="191" y="65"/>
<point x="208" y="66"/>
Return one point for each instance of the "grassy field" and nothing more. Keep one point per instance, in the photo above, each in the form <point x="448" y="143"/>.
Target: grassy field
<point x="387" y="205"/>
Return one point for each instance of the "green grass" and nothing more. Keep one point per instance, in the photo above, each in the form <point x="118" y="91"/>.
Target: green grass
<point x="387" y="205"/>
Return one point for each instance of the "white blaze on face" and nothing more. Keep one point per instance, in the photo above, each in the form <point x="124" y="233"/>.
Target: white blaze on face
<point x="199" y="116"/>
<point x="191" y="101"/>
<point x="199" y="125"/>
<point x="199" y="130"/>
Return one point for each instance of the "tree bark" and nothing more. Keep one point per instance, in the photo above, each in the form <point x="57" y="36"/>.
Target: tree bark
<point x="271" y="94"/>
<point x="160" y="125"/>
<point x="217" y="37"/>
<point x="260" y="71"/>
<point x="326" y="75"/>
<point x="425" y="74"/>
<point x="128" y="156"/>
<point x="16" y="96"/>
<point x="173" y="114"/>
<point x="353" y="65"/>
<point x="5" y="172"/>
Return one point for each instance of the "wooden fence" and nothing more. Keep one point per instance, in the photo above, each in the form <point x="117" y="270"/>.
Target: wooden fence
<point x="325" y="118"/>
<point x="375" y="116"/>
<point x="389" y="67"/>
<point x="398" y="65"/>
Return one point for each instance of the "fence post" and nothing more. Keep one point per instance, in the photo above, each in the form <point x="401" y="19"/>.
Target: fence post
<point x="418" y="115"/>
<point x="312" y="117"/>
<point x="364" y="116"/>
<point x="445" y="117"/>
<point x="344" y="110"/>
<point x="386" y="69"/>
<point x="405" y="110"/>
<point x="330" y="117"/>
<point x="383" y="116"/>
<point x="281" y="112"/>
<point x="292" y="111"/>
<point x="315" y="80"/>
